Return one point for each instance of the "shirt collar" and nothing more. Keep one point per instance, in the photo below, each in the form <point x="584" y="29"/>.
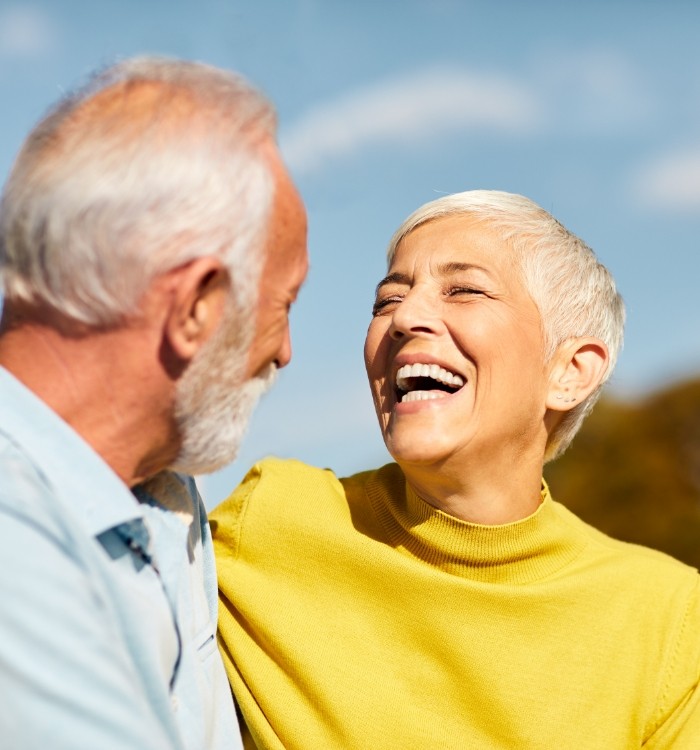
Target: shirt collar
<point x="68" y="464"/>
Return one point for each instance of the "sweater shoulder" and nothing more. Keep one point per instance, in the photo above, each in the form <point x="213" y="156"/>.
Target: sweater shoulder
<point x="288" y="475"/>
<point x="286" y="469"/>
<point x="284" y="483"/>
<point x="645" y="559"/>
<point x="290" y="505"/>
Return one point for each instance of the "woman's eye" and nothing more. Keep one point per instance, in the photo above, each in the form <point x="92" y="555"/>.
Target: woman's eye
<point x="463" y="290"/>
<point x="381" y="304"/>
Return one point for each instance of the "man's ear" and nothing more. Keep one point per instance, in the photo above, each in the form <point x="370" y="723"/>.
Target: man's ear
<point x="579" y="366"/>
<point x="198" y="294"/>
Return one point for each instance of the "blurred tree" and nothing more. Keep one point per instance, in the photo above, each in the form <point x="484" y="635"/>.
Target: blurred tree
<point x="633" y="471"/>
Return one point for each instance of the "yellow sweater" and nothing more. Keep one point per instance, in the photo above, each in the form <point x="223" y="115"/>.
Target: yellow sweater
<point x="354" y="616"/>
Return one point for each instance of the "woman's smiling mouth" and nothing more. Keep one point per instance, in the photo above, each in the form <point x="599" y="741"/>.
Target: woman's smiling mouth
<point x="424" y="382"/>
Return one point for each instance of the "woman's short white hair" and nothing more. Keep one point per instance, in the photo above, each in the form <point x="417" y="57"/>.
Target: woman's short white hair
<point x="155" y="162"/>
<point x="574" y="292"/>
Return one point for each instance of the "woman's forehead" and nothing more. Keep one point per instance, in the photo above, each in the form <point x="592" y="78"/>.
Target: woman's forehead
<point x="454" y="244"/>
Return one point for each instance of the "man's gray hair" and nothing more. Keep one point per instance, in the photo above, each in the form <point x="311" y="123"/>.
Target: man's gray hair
<point x="154" y="163"/>
<point x="574" y="292"/>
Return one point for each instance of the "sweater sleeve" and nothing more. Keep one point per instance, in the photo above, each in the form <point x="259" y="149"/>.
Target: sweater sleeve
<point x="226" y="520"/>
<point x="679" y="725"/>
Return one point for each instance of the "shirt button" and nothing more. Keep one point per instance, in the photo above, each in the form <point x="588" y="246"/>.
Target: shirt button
<point x="174" y="702"/>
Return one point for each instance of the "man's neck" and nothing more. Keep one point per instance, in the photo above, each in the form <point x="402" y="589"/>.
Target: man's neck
<point x="104" y="384"/>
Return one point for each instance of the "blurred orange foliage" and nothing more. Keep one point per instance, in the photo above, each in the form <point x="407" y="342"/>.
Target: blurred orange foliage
<point x="633" y="471"/>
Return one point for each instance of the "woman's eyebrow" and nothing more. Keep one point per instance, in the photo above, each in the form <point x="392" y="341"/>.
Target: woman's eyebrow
<point x="393" y="278"/>
<point x="445" y="269"/>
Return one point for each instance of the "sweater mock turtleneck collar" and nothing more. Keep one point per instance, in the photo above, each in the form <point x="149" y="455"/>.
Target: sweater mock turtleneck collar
<point x="523" y="551"/>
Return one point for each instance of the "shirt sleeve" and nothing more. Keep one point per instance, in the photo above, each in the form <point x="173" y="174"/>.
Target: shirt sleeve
<point x="679" y="727"/>
<point x="66" y="680"/>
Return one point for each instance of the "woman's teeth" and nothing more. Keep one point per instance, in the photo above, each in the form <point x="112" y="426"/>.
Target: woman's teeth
<point x="433" y="371"/>
<point x="423" y="396"/>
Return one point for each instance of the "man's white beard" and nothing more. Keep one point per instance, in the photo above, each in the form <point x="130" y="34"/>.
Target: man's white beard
<point x="214" y="404"/>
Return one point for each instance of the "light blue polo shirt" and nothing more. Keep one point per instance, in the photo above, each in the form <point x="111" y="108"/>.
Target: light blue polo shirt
<point x="107" y="604"/>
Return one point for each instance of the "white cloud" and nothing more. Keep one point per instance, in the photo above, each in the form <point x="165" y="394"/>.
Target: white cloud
<point x="592" y="91"/>
<point x="671" y="182"/>
<point x="421" y="106"/>
<point x="25" y="32"/>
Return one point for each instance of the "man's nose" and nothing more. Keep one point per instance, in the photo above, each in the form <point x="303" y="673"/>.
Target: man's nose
<point x="284" y="355"/>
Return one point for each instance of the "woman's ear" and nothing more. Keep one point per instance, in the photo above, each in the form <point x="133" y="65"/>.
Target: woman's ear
<point x="199" y="291"/>
<point x="578" y="369"/>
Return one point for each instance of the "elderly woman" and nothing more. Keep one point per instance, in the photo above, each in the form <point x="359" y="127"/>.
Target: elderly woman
<point x="446" y="600"/>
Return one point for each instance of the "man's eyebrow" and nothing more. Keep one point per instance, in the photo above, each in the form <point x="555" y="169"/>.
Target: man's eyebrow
<point x="393" y="278"/>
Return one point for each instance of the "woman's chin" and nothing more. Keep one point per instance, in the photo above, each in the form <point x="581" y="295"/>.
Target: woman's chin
<point x="424" y="432"/>
<point x="417" y="450"/>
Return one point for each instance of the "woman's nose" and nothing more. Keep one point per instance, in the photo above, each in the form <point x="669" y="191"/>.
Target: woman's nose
<point x="416" y="315"/>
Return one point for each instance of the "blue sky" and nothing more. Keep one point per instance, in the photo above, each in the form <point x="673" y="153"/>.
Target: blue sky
<point x="591" y="109"/>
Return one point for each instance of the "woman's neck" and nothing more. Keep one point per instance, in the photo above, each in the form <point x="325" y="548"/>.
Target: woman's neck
<point x="482" y="492"/>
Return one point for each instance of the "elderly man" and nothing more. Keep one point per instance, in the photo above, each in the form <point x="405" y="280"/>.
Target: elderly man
<point x="151" y="244"/>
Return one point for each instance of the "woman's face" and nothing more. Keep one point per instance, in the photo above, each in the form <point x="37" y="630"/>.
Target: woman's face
<point x="455" y="351"/>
